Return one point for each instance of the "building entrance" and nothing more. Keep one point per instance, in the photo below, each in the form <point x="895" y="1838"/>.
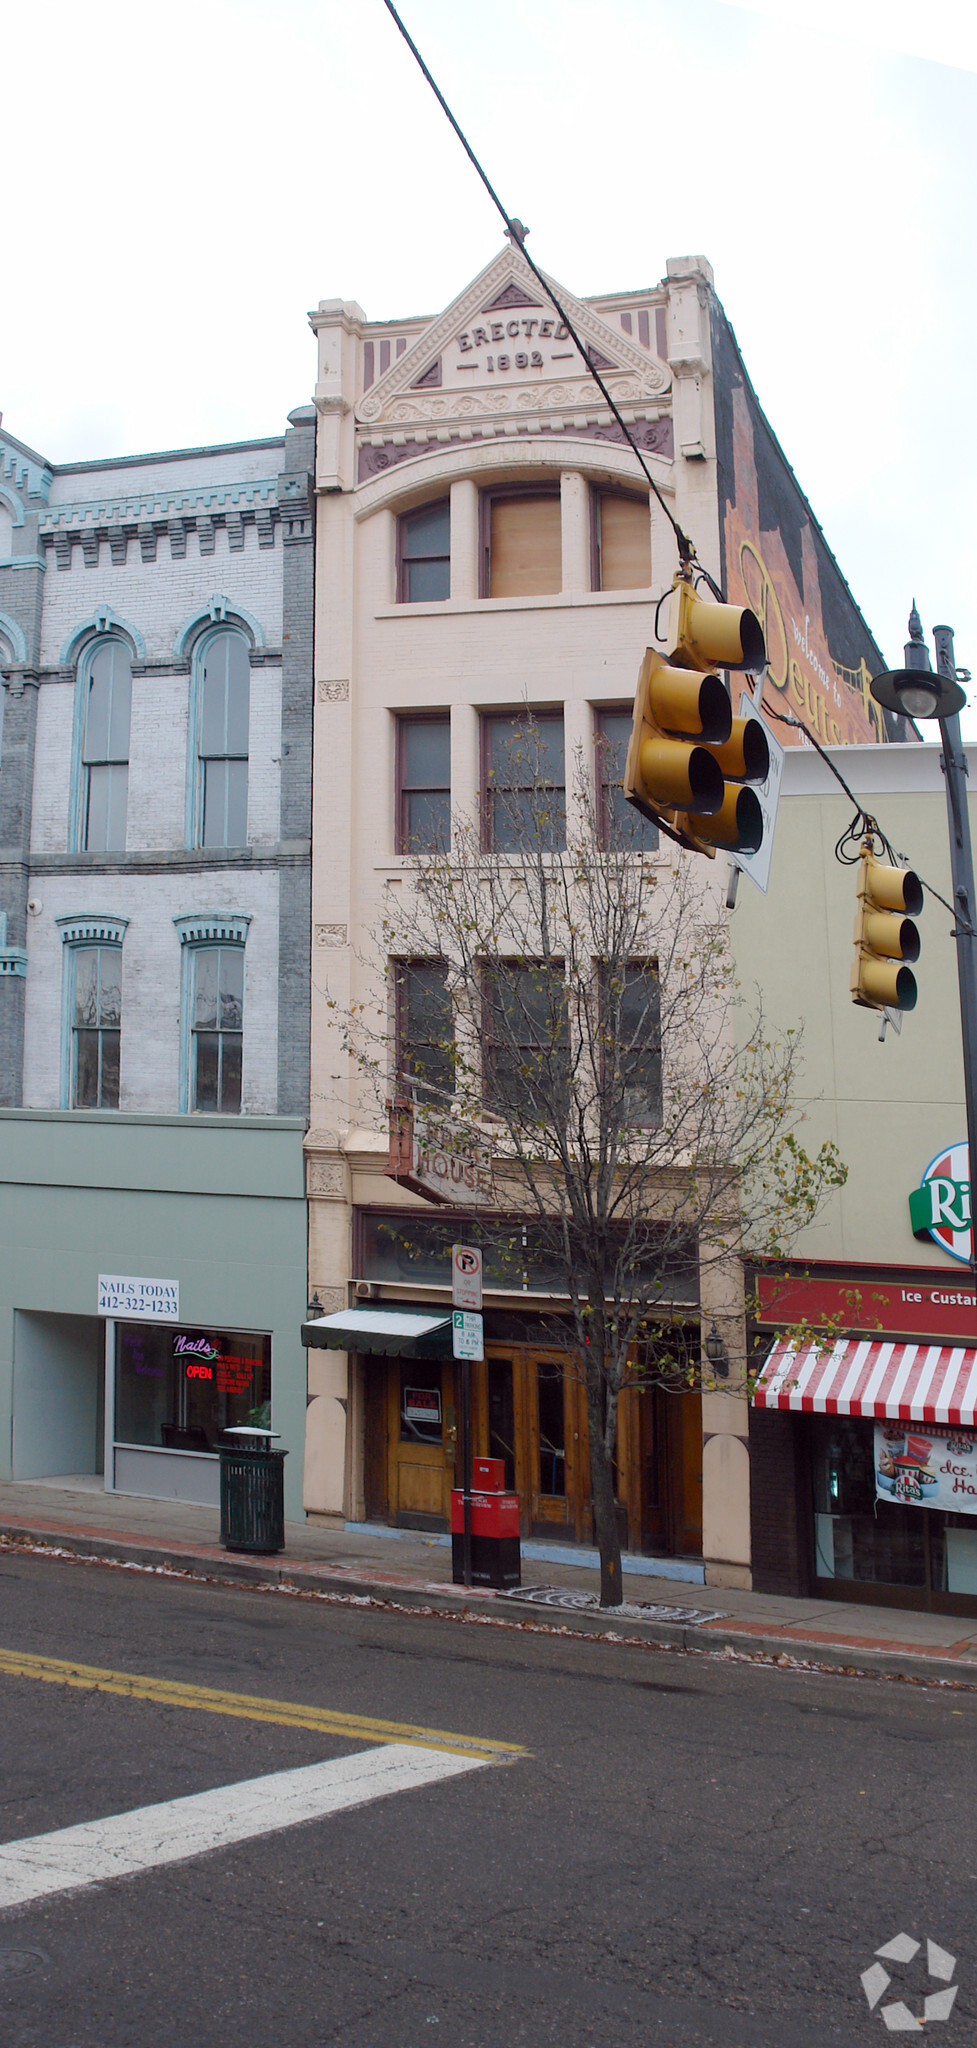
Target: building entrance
<point x="528" y="1411"/>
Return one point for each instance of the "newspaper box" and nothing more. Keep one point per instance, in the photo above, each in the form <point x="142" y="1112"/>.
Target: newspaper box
<point x="495" y="1537"/>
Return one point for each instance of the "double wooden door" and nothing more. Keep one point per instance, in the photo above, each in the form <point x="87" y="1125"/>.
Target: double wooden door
<point x="529" y="1412"/>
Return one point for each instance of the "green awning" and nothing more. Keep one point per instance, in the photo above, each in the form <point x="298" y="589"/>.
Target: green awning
<point x="392" y="1332"/>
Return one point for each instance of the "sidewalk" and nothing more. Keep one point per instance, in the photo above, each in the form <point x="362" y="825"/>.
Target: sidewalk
<point x="75" y="1516"/>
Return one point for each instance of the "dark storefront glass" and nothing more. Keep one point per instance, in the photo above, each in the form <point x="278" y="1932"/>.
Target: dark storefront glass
<point x="417" y="1250"/>
<point x="177" y="1389"/>
<point x="877" y="1542"/>
<point x="552" y="1430"/>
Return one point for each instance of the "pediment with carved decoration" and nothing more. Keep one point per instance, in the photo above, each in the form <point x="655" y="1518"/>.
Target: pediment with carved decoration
<point x="501" y="348"/>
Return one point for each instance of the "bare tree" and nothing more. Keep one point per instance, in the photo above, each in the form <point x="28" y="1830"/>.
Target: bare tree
<point x="570" y="997"/>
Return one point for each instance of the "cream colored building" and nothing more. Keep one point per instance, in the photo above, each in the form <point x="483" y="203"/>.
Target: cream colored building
<point x="486" y="544"/>
<point x="897" y="1309"/>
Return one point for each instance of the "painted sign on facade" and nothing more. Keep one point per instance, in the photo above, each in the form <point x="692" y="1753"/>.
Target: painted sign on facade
<point x="875" y="1303"/>
<point x="926" y="1467"/>
<point x="820" y="652"/>
<point x="940" y="1207"/>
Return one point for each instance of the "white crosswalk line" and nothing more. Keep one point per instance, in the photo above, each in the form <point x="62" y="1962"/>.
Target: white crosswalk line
<point x="126" y="1843"/>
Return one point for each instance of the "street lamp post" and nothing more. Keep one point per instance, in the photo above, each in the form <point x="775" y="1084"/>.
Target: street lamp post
<point x="920" y="692"/>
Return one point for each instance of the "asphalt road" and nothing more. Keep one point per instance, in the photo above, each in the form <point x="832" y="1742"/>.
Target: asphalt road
<point x="691" y="1851"/>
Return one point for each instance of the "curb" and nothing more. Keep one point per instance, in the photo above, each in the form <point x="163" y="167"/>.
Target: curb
<point x="752" y="1645"/>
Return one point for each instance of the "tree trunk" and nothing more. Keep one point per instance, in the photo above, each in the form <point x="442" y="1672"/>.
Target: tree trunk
<point x="605" y="1505"/>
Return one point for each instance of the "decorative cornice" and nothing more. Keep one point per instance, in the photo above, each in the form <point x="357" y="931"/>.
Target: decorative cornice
<point x="134" y="508"/>
<point x="161" y="516"/>
<point x="543" y="402"/>
<point x="78" y="931"/>
<point x="211" y="929"/>
<point x="383" y="453"/>
<point x="25" y="475"/>
<point x="13" y="962"/>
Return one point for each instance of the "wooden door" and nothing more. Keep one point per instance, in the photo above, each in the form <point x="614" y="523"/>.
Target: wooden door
<point x="421" y="1442"/>
<point x="666" y="1463"/>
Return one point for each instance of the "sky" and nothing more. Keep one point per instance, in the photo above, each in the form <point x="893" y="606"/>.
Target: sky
<point x="190" y="180"/>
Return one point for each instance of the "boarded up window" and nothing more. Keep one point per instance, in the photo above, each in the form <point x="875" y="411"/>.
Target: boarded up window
<point x="524" y="549"/>
<point x="623" y="542"/>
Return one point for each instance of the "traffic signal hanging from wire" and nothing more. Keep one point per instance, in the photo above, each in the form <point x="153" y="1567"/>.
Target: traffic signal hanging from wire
<point x="690" y="762"/>
<point x="885" y="935"/>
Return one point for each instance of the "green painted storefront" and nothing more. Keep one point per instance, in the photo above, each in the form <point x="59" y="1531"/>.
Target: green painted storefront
<point x="213" y="1204"/>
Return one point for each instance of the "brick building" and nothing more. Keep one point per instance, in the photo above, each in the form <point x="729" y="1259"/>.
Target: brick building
<point x="155" y="649"/>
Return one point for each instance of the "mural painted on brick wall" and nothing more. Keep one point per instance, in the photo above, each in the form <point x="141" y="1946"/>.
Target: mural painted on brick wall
<point x="821" y="654"/>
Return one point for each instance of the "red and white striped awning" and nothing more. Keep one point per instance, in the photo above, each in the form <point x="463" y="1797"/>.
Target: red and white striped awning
<point x="935" y="1383"/>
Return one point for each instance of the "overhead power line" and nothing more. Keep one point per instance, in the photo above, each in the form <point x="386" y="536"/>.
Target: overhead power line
<point x="517" y="234"/>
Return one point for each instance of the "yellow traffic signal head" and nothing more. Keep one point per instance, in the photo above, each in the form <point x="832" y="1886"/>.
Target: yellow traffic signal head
<point x="705" y="636"/>
<point x="885" y="935"/>
<point x="738" y="823"/>
<point x="666" y="771"/>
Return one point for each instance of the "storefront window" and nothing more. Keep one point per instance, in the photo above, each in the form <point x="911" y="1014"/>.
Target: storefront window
<point x="516" y="1256"/>
<point x="177" y="1389"/>
<point x="876" y="1541"/>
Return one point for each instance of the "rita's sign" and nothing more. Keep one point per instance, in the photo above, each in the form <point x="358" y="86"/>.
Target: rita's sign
<point x="940" y="1207"/>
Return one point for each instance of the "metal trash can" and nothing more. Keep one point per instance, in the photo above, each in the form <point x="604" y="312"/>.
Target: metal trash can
<point x="252" y="1492"/>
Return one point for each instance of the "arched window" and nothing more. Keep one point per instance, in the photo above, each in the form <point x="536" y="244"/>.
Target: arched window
<point x="222" y="708"/>
<point x="106" y="685"/>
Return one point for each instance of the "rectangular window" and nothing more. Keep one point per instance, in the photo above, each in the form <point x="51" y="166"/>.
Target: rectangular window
<point x="96" y="1021"/>
<point x="526" y="1040"/>
<point x="105" y="750"/>
<point x="423" y="785"/>
<point x="522" y="544"/>
<point x="425" y="1028"/>
<point x="622" y="541"/>
<point x="179" y="1389"/>
<point x="551" y="1423"/>
<point x="425" y="555"/>
<point x="524" y="782"/>
<point x="631" y="1033"/>
<point x="621" y="827"/>
<point x="216" y="1028"/>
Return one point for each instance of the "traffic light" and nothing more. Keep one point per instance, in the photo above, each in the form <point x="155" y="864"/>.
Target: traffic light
<point x="706" y="636"/>
<point x="690" y="761"/>
<point x="669" y="769"/>
<point x="885" y="935"/>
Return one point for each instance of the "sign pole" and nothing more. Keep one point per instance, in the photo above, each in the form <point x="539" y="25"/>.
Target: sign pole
<point x="466" y="1465"/>
<point x="954" y="766"/>
<point x="467" y="1327"/>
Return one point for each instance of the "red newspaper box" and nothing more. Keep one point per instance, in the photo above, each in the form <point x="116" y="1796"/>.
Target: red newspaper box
<point x="495" y="1537"/>
<point x="488" y="1475"/>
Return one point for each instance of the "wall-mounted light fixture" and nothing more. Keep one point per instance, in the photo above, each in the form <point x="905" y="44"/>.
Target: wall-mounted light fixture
<point x="717" y="1354"/>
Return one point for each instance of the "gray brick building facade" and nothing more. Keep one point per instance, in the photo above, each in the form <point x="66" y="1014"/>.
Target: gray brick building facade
<point x="155" y="785"/>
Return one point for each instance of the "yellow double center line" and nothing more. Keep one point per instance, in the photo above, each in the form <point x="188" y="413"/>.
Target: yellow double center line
<point x="168" y="1692"/>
